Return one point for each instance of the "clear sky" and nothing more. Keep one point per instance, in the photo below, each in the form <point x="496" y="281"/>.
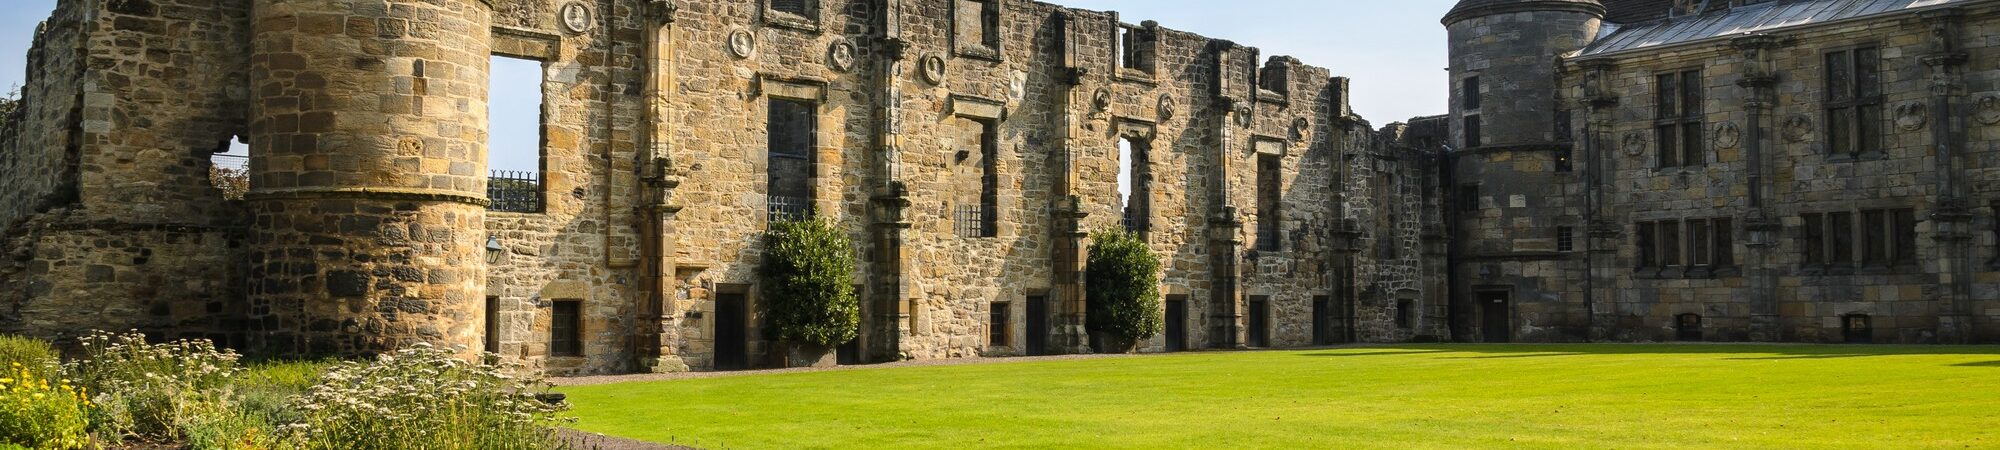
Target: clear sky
<point x="1393" y="50"/>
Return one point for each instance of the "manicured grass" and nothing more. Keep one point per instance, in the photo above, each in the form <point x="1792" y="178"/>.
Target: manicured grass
<point x="1446" y="396"/>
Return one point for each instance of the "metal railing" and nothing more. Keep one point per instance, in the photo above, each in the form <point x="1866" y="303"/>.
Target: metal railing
<point x="1135" y="220"/>
<point x="514" y="191"/>
<point x="974" y="221"/>
<point x="785" y="209"/>
<point x="231" y="174"/>
<point x="1268" y="239"/>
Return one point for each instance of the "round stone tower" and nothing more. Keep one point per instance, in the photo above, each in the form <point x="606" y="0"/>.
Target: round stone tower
<point x="1503" y="52"/>
<point x="367" y="166"/>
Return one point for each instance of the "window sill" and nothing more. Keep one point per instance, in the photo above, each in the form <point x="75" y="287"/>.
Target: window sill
<point x="979" y="52"/>
<point x="1857" y="157"/>
<point x="1136" y="76"/>
<point x="782" y="19"/>
<point x="1686" y="273"/>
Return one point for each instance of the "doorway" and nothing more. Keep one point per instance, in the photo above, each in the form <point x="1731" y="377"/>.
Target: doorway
<point x="1177" y="323"/>
<point x="1038" y="325"/>
<point x="1260" y="321"/>
<point x="1495" y="317"/>
<point x="1857" y="329"/>
<point x="731" y="334"/>
<point x="1687" y="327"/>
<point x="1322" y="320"/>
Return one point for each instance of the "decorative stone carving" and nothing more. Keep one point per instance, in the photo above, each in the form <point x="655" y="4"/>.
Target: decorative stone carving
<point x="577" y="17"/>
<point x="931" y="67"/>
<point x="742" y="43"/>
<point x="1301" y="128"/>
<point x="1911" y="116"/>
<point x="1796" y="128"/>
<point x="1166" y="107"/>
<point x="840" y="56"/>
<point x="1727" y="135"/>
<point x="1101" y="100"/>
<point x="1986" y="109"/>
<point x="1635" y="143"/>
<point x="1243" y="116"/>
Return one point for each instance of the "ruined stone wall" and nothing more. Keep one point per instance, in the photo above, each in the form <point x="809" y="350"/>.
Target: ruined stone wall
<point x="1917" y="302"/>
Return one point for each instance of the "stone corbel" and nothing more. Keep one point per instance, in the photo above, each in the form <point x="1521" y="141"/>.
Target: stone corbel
<point x="1759" y="70"/>
<point x="662" y="11"/>
<point x="1596" y="92"/>
<point x="1944" y="29"/>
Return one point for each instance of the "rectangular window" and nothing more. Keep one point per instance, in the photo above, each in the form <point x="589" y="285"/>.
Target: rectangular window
<point x="566" y="328"/>
<point x="1670" y="243"/>
<point x="977" y="182"/>
<point x="1565" y="240"/>
<point x="1677" y="119"/>
<point x="1853" y="101"/>
<point x="1471" y="93"/>
<point x="1472" y="138"/>
<point x="1468" y="197"/>
<point x="1840" y="227"/>
<point x="1725" y="243"/>
<point x="1875" y="237"/>
<point x="799" y="7"/>
<point x="1904" y="229"/>
<point x="977" y="28"/>
<point x="1562" y="159"/>
<point x="790" y="130"/>
<point x="1135" y="182"/>
<point x="514" y="156"/>
<point x="1270" y="182"/>
<point x="1700" y="248"/>
<point x="998" y="326"/>
<point x="1128" y="47"/>
<point x="493" y="324"/>
<point x="1644" y="240"/>
<point x="1813" y="238"/>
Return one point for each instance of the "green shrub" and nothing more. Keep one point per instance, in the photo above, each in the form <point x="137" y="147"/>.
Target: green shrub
<point x="1122" y="288"/>
<point x="40" y="413"/>
<point x="808" y="277"/>
<point x="423" y="397"/>
<point x="151" y="390"/>
<point x="34" y="354"/>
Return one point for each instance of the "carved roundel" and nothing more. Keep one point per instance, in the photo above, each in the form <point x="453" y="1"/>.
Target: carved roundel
<point x="1301" y="128"/>
<point x="932" y="68"/>
<point x="1101" y="100"/>
<point x="1797" y="127"/>
<point x="1166" y="107"/>
<point x="742" y="43"/>
<point x="1987" y="109"/>
<point x="577" y="17"/>
<point x="1635" y="144"/>
<point x="1911" y="116"/>
<point x="1243" y="118"/>
<point x="840" y="56"/>
<point x="1727" y="135"/>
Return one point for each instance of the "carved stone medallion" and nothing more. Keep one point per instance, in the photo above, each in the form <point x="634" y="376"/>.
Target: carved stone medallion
<point x="1912" y="116"/>
<point x="1986" y="110"/>
<point x="1166" y="107"/>
<point x="577" y="17"/>
<point x="1301" y="128"/>
<point x="932" y="69"/>
<point x="1101" y="100"/>
<point x="742" y="43"/>
<point x="1243" y="118"/>
<point x="1727" y="135"/>
<point x="840" y="56"/>
<point x="1797" y="128"/>
<point x="1635" y="143"/>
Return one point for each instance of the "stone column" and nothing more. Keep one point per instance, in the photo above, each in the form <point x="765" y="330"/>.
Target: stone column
<point x="1225" y="241"/>
<point x="659" y="341"/>
<point x="1951" y="215"/>
<point x="886" y="312"/>
<point x="1600" y="246"/>
<point x="1761" y="227"/>
<point x="1068" y="332"/>
<point x="368" y="163"/>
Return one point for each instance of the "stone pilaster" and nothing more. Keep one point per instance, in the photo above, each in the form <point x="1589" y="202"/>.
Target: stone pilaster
<point x="1760" y="225"/>
<point x="1951" y="214"/>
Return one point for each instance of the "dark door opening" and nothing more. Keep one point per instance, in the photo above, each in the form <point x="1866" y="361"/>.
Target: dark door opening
<point x="1322" y="320"/>
<point x="1687" y="327"/>
<point x="731" y="336"/>
<point x="1177" y="323"/>
<point x="1857" y="329"/>
<point x="849" y="353"/>
<point x="1038" y="325"/>
<point x="1496" y="317"/>
<point x="1260" y="321"/>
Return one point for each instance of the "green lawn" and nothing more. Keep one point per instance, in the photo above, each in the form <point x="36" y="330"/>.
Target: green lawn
<point x="1441" y="396"/>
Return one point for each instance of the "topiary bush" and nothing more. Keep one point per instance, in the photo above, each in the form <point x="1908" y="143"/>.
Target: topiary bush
<point x="808" y="283"/>
<point x="1122" y="289"/>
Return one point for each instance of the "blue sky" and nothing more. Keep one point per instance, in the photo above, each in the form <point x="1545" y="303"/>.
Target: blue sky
<point x="1394" y="51"/>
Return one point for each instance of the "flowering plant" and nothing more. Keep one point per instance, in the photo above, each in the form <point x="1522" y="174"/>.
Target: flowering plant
<point x="37" y="412"/>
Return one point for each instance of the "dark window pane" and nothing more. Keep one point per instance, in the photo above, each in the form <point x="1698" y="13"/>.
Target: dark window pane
<point x="1691" y="90"/>
<point x="1725" y="245"/>
<point x="1842" y="224"/>
<point x="1472" y="138"/>
<point x="1815" y="239"/>
<point x="1669" y="145"/>
<point x="566" y="328"/>
<point x="1840" y="130"/>
<point x="1906" y="235"/>
<point x="1838" y="78"/>
<point x="1693" y="152"/>
<point x="1471" y="93"/>
<point x="1875" y="245"/>
<point x="1698" y="243"/>
<point x="998" y="326"/>
<point x="1644" y="242"/>
<point x="1666" y="100"/>
<point x="1670" y="243"/>
<point x="1867" y="81"/>
<point x="1868" y="128"/>
<point x="1269" y="202"/>
<point x="799" y="7"/>
<point x="1468" y="197"/>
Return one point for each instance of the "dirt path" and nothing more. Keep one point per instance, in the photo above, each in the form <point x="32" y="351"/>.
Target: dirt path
<point x="609" y="379"/>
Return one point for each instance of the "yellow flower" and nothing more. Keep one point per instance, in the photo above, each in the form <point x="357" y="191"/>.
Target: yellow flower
<point x="6" y="380"/>
<point x="38" y="396"/>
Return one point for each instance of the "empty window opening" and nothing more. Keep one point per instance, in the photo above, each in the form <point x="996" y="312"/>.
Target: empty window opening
<point x="1128" y="47"/>
<point x="229" y="170"/>
<point x="790" y="130"/>
<point x="1470" y="93"/>
<point x="1687" y="327"/>
<point x="977" y="27"/>
<point x="566" y="328"/>
<point x="1270" y="214"/>
<point x="998" y="325"/>
<point x="1853" y="102"/>
<point x="1135" y="184"/>
<point x="976" y="179"/>
<point x="1406" y="313"/>
<point x="514" y="156"/>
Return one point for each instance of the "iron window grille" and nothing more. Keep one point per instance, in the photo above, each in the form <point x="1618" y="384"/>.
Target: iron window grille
<point x="514" y="191"/>
<point x="974" y="221"/>
<point x="790" y="209"/>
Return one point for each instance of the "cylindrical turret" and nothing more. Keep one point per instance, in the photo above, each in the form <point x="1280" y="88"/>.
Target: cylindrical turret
<point x="367" y="164"/>
<point x="1503" y="56"/>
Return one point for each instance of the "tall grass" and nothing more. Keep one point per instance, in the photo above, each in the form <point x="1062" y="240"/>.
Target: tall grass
<point x="423" y="397"/>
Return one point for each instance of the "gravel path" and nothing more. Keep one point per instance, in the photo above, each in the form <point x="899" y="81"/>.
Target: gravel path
<point x="593" y="441"/>
<point x="609" y="379"/>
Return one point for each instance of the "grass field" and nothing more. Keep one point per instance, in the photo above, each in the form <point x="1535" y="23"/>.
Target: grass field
<point x="1446" y="396"/>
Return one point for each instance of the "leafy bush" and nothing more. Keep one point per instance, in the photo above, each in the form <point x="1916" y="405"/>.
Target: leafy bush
<point x="36" y="412"/>
<point x="423" y="397"/>
<point x="32" y="354"/>
<point x="151" y="390"/>
<point x="808" y="277"/>
<point x="1122" y="287"/>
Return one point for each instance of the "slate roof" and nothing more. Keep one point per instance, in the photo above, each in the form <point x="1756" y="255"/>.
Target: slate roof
<point x="1759" y="18"/>
<point x="1471" y="8"/>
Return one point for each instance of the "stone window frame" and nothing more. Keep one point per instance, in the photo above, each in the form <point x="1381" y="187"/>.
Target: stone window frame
<point x="1000" y="324"/>
<point x="491" y="341"/>
<point x="1679" y="127"/>
<point x="994" y="21"/>
<point x="1893" y="231"/>
<point x="1471" y="127"/>
<point x="546" y="49"/>
<point x="992" y="115"/>
<point x="1685" y="248"/>
<point x="1144" y="134"/>
<point x="575" y="329"/>
<point x="1468" y="197"/>
<point x="1135" y="50"/>
<point x="813" y="93"/>
<point x="1859" y="100"/>
<point x="1470" y="91"/>
<point x="1406" y="313"/>
<point x="808" y="22"/>
<point x="1270" y="229"/>
<point x="1565" y="239"/>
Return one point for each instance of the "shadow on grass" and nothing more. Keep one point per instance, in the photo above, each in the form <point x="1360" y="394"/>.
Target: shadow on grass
<point x="1749" y="351"/>
<point x="1994" y="363"/>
